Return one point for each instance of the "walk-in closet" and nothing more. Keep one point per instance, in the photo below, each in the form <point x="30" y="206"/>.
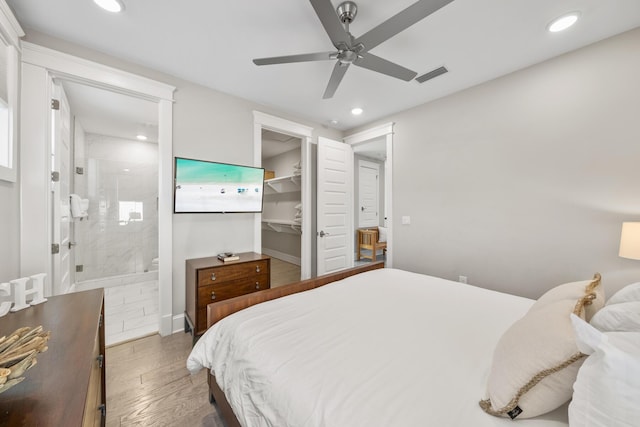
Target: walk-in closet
<point x="282" y="209"/>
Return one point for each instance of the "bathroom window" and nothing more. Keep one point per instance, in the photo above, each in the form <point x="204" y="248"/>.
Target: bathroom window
<point x="130" y="212"/>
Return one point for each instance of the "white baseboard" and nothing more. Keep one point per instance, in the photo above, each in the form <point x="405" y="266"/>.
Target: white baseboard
<point x="178" y="323"/>
<point x="166" y="325"/>
<point x="281" y="255"/>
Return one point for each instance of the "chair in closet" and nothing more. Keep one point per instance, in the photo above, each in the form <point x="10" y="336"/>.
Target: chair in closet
<point x="368" y="238"/>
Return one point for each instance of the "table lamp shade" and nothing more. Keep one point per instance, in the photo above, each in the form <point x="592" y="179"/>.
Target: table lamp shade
<point x="630" y="240"/>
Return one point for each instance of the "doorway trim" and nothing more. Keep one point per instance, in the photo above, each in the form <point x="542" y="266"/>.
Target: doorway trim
<point x="288" y="127"/>
<point x="39" y="65"/>
<point x="384" y="130"/>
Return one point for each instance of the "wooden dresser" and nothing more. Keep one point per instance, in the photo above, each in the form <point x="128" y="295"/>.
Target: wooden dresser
<point x="67" y="385"/>
<point x="210" y="280"/>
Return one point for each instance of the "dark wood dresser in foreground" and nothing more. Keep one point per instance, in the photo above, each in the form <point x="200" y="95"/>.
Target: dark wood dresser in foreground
<point x="210" y="280"/>
<point x="67" y="385"/>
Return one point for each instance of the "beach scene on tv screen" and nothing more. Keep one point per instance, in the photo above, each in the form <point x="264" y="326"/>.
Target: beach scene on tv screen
<point x="216" y="187"/>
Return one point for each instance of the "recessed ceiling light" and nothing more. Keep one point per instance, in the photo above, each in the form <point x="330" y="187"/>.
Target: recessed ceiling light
<point x="141" y="137"/>
<point x="356" y="111"/>
<point x="114" y="6"/>
<point x="563" y="22"/>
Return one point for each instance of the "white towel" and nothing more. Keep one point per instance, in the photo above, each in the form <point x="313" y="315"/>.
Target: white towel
<point x="79" y="206"/>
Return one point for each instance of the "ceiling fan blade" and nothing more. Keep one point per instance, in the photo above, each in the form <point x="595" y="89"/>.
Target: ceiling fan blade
<point x="400" y="22"/>
<point x="375" y="63"/>
<point x="305" y="57"/>
<point x="336" y="78"/>
<point x="330" y="21"/>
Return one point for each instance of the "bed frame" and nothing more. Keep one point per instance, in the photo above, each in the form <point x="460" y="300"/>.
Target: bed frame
<point x="219" y="310"/>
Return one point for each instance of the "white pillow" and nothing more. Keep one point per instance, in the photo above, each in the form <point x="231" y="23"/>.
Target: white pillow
<point x="622" y="317"/>
<point x="628" y="293"/>
<point x="570" y="291"/>
<point x="536" y="360"/>
<point x="607" y="389"/>
<point x="382" y="234"/>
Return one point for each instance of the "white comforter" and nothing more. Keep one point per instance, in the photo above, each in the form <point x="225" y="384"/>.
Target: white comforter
<point x="383" y="348"/>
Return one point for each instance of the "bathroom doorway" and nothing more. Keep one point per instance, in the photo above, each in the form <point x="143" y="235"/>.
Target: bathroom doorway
<point x="40" y="67"/>
<point x="110" y="143"/>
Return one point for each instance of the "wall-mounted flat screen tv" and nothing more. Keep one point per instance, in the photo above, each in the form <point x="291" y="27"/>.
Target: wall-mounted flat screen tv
<point x="201" y="186"/>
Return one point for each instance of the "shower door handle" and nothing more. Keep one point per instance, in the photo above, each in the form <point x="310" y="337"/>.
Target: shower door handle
<point x="72" y="244"/>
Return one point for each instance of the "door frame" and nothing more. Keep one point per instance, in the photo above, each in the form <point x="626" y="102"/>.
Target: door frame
<point x="277" y="124"/>
<point x="39" y="65"/>
<point x="384" y="130"/>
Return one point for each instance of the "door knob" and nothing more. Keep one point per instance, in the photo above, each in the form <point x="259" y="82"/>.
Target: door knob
<point x="322" y="233"/>
<point x="362" y="208"/>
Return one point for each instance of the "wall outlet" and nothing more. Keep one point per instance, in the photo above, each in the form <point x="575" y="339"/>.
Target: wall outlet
<point x="406" y="220"/>
<point x="462" y="279"/>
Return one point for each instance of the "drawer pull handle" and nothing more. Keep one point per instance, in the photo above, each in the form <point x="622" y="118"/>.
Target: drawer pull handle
<point x="257" y="269"/>
<point x="213" y="276"/>
<point x="257" y="285"/>
<point x="100" y="360"/>
<point x="213" y="295"/>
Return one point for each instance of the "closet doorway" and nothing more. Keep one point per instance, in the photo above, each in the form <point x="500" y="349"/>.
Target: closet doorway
<point x="285" y="227"/>
<point x="282" y="208"/>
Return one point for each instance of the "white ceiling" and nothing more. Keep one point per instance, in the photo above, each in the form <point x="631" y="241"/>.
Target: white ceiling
<point x="212" y="43"/>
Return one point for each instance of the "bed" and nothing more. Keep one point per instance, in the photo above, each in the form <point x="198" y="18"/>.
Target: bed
<point x="385" y="347"/>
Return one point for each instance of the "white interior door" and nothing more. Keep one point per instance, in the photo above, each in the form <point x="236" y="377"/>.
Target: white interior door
<point x="368" y="194"/>
<point x="60" y="190"/>
<point x="335" y="206"/>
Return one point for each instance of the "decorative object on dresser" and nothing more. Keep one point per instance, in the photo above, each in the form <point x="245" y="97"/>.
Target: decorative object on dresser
<point x="21" y="294"/>
<point x="228" y="256"/>
<point x="210" y="280"/>
<point x="18" y="354"/>
<point x="67" y="388"/>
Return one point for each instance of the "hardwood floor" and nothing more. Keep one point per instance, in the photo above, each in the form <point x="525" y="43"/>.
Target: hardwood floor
<point x="148" y="385"/>
<point x="283" y="273"/>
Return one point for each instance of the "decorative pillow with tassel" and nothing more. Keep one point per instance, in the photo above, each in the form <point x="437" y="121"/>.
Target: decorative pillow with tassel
<point x="537" y="359"/>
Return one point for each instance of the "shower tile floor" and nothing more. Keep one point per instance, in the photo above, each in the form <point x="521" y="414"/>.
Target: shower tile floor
<point x="131" y="311"/>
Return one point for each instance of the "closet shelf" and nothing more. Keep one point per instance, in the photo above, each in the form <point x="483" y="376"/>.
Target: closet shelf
<point x="282" y="226"/>
<point x="283" y="184"/>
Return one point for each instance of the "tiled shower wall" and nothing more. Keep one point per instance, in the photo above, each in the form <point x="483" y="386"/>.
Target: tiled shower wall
<point x="120" y="179"/>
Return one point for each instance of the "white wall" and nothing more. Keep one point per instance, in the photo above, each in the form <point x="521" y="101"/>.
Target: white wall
<point x="210" y="125"/>
<point x="522" y="183"/>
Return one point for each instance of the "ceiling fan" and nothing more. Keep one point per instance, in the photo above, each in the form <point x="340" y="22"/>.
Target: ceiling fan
<point x="351" y="50"/>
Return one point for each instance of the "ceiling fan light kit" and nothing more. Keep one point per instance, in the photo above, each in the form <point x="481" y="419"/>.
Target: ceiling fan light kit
<point x="351" y="50"/>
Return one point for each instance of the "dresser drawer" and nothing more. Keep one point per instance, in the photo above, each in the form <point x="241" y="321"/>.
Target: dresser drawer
<point x="223" y="291"/>
<point x="230" y="289"/>
<point x="210" y="276"/>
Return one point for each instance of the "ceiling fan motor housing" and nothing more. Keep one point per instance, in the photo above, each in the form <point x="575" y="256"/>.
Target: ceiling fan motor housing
<point x="347" y="11"/>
